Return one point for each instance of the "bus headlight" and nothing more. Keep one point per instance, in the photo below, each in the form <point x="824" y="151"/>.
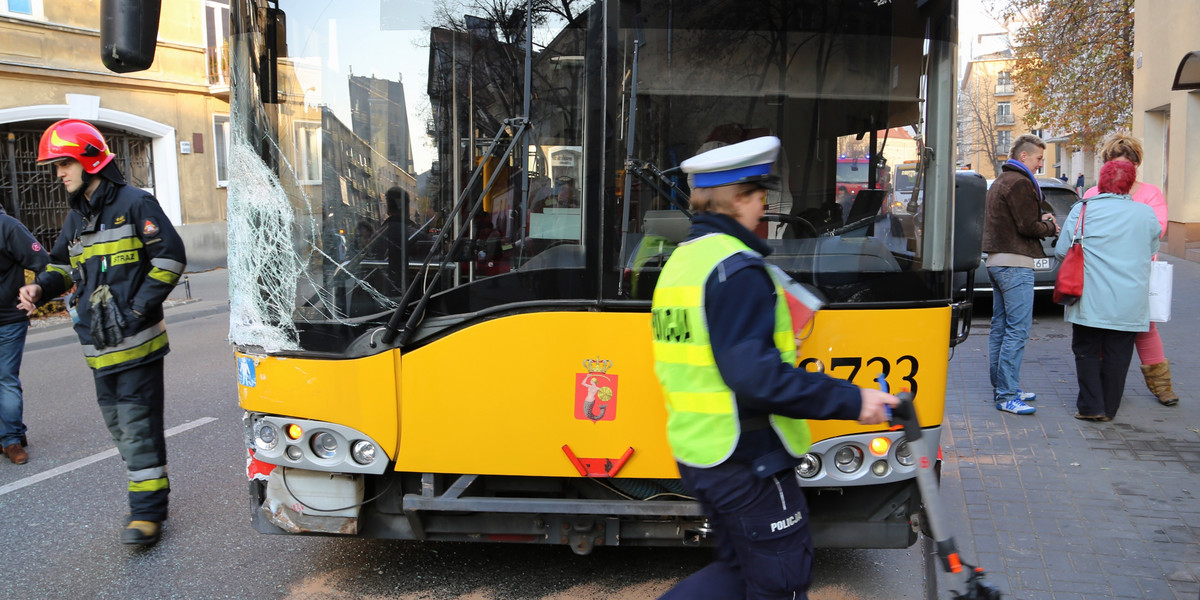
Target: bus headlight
<point x="809" y="466"/>
<point x="312" y="445"/>
<point x="363" y="452"/>
<point x="324" y="444"/>
<point x="848" y="459"/>
<point x="904" y="454"/>
<point x="266" y="436"/>
<point x="879" y="468"/>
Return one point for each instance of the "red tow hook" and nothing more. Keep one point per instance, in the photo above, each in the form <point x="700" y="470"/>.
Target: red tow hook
<point x="597" y="467"/>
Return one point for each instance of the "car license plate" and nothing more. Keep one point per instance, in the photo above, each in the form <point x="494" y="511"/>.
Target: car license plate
<point x="1041" y="264"/>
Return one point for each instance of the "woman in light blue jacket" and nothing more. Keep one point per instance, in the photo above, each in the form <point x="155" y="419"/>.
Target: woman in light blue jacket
<point x="1119" y="237"/>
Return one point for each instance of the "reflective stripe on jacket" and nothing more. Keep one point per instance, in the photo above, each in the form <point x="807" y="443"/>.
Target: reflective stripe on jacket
<point x="126" y="242"/>
<point x="703" y="423"/>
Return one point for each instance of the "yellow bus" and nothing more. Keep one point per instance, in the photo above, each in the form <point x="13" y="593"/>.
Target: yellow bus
<point x="497" y="383"/>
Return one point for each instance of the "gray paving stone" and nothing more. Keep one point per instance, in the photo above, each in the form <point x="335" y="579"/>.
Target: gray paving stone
<point x="1088" y="563"/>
<point x="1091" y="588"/>
<point x="1057" y="562"/>
<point x="1033" y="579"/>
<point x="1156" y="588"/>
<point x="1068" y="596"/>
<point x="1125" y="586"/>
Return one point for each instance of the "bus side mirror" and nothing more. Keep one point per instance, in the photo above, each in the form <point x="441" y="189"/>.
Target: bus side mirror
<point x="274" y="47"/>
<point x="970" y="195"/>
<point x="128" y="33"/>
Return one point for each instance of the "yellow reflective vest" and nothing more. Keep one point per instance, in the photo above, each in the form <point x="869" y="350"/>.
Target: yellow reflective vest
<point x="702" y="414"/>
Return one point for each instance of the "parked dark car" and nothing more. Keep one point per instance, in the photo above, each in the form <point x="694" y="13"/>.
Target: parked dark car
<point x="1059" y="197"/>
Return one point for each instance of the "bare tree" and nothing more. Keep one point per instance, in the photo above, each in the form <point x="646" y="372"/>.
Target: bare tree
<point x="977" y="116"/>
<point x="506" y="17"/>
<point x="567" y="9"/>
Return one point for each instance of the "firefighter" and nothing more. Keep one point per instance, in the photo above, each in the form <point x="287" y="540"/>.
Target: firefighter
<point x="123" y="257"/>
<point x="725" y="354"/>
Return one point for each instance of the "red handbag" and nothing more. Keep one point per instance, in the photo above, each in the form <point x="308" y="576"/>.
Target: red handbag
<point x="1068" y="287"/>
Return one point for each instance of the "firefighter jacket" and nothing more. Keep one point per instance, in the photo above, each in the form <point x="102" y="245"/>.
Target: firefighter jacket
<point x="18" y="251"/>
<point x="119" y="245"/>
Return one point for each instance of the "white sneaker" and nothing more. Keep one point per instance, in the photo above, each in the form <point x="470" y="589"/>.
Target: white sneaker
<point x="1016" y="407"/>
<point x="1026" y="396"/>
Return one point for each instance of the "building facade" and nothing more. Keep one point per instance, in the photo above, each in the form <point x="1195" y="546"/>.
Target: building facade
<point x="169" y="125"/>
<point x="991" y="116"/>
<point x="1168" y="121"/>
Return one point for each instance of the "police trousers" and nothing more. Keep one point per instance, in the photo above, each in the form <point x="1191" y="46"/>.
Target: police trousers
<point x="763" y="544"/>
<point x="131" y="402"/>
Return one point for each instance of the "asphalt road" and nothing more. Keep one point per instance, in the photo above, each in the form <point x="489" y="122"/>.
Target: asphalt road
<point x="62" y="512"/>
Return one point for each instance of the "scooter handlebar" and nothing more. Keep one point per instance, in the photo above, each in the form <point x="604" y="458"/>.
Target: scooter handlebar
<point x="905" y="415"/>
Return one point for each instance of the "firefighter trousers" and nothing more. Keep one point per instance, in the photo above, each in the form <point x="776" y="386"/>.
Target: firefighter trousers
<point x="131" y="402"/>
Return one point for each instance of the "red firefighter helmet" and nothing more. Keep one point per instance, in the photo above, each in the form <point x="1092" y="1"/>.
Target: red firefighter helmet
<point x="72" y="138"/>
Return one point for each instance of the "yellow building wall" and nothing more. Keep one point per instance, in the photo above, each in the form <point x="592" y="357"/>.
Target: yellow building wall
<point x="1168" y="122"/>
<point x="42" y="61"/>
<point x="984" y="73"/>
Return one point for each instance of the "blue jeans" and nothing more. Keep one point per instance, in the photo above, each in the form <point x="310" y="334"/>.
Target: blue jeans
<point x="1012" y="317"/>
<point x="12" y="347"/>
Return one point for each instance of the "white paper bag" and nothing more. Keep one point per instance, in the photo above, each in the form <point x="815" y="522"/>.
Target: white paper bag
<point x="1161" y="274"/>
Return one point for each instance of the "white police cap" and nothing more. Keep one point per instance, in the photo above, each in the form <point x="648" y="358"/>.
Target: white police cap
<point x="745" y="162"/>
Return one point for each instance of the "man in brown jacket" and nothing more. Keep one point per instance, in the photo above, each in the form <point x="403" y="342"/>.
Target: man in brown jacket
<point x="1012" y="229"/>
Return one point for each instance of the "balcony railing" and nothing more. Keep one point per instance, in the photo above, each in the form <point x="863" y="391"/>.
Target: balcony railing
<point x="218" y="65"/>
<point x="1004" y="89"/>
<point x="1005" y="119"/>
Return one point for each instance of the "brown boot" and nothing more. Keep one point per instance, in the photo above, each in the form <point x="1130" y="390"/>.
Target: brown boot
<point x="141" y="533"/>
<point x="16" y="453"/>
<point x="1158" y="379"/>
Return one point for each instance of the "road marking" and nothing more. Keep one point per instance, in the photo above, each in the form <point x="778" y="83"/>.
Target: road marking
<point x="83" y="462"/>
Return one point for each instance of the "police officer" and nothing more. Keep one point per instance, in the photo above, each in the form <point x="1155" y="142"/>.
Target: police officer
<point x="725" y="355"/>
<point x="18" y="251"/>
<point x="124" y="257"/>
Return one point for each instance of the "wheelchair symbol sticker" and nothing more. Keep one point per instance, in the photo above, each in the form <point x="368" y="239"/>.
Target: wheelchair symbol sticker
<point x="246" y="371"/>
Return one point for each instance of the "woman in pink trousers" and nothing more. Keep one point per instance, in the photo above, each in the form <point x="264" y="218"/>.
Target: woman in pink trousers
<point x="1155" y="366"/>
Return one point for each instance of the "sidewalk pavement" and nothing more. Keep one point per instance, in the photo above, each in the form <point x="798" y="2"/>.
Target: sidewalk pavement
<point x="198" y="295"/>
<point x="1058" y="508"/>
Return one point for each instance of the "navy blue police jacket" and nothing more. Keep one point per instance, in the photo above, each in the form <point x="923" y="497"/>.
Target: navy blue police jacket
<point x="18" y="251"/>
<point x="739" y="301"/>
<point x="120" y="238"/>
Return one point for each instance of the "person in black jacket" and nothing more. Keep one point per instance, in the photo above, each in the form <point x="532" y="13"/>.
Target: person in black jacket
<point x="18" y="251"/>
<point x="390" y="241"/>
<point x="123" y="257"/>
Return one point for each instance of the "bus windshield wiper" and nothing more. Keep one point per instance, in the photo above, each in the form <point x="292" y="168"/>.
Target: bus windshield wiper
<point x="658" y="181"/>
<point x="393" y="327"/>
